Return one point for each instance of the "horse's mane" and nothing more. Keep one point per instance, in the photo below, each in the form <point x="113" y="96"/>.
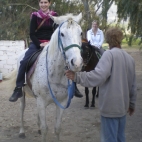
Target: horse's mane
<point x="53" y="43"/>
<point x="84" y="40"/>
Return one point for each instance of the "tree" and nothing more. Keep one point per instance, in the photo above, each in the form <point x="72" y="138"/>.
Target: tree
<point x="106" y="4"/>
<point x="131" y="10"/>
<point x="15" y="15"/>
<point x="91" y="8"/>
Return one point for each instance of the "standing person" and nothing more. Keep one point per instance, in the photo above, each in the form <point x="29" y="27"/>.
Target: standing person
<point x="96" y="37"/>
<point x="115" y="74"/>
<point x="41" y="30"/>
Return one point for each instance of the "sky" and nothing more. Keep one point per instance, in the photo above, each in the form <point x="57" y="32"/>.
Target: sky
<point x="112" y="13"/>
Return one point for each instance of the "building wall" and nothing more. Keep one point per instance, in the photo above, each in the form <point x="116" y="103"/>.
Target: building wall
<point x="9" y="51"/>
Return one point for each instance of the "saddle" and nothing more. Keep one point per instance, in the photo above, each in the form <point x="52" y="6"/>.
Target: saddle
<point x="32" y="59"/>
<point x="31" y="66"/>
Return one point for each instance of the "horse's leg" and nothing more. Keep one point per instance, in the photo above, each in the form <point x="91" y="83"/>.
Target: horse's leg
<point x="59" y="113"/>
<point x="87" y="97"/>
<point x="42" y="115"/>
<point x="97" y="92"/>
<point x="77" y="92"/>
<point x="22" y="108"/>
<point x="38" y="123"/>
<point x="93" y="97"/>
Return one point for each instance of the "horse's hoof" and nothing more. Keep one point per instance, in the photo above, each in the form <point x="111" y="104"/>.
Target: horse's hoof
<point x="92" y="106"/>
<point x="39" y="132"/>
<point x="22" y="135"/>
<point x="86" y="106"/>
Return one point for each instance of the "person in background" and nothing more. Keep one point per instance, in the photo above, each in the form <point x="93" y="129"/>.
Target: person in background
<point x="41" y="30"/>
<point x="96" y="37"/>
<point x="115" y="75"/>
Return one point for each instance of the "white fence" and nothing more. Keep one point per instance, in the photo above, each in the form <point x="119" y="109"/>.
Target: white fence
<point x="9" y="51"/>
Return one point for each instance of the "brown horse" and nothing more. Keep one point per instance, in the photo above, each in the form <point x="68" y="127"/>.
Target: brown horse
<point x="90" y="59"/>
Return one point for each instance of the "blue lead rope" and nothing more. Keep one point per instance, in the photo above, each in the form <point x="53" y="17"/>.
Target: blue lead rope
<point x="71" y="86"/>
<point x="71" y="90"/>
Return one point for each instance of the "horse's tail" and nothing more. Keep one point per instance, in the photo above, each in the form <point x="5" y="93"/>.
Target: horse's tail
<point x="9" y="81"/>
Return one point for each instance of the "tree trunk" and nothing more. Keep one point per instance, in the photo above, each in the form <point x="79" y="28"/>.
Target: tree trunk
<point x="87" y="15"/>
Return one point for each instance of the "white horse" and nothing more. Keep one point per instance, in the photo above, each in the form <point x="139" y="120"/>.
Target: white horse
<point x="66" y="39"/>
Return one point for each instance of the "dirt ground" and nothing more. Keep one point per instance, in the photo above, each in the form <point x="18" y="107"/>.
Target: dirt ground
<point x="79" y="124"/>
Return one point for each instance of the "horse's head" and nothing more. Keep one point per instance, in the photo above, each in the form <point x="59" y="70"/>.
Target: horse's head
<point x="86" y="52"/>
<point x="69" y="39"/>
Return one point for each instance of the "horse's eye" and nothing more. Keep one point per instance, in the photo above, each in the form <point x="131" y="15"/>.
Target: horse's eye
<point x="81" y="33"/>
<point x="62" y="34"/>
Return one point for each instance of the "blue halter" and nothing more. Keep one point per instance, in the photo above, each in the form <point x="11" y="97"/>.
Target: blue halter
<point x="71" y="86"/>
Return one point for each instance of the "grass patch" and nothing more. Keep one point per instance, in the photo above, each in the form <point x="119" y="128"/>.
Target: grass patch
<point x="105" y="46"/>
<point x="134" y="46"/>
<point x="135" y="41"/>
<point x="124" y="46"/>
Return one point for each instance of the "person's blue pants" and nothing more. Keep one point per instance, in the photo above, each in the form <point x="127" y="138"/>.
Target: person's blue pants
<point x="22" y="69"/>
<point x="113" y="129"/>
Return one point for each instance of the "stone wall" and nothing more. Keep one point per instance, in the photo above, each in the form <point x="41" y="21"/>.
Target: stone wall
<point x="9" y="51"/>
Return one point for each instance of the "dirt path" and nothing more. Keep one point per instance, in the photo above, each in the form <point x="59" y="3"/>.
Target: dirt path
<point x="79" y="124"/>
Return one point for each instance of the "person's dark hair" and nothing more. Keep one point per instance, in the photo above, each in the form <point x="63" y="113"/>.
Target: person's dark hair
<point x="48" y="0"/>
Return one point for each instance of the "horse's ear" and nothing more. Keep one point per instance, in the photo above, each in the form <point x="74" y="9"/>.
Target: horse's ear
<point x="55" y="19"/>
<point x="52" y="17"/>
<point x="78" y="18"/>
<point x="60" y="19"/>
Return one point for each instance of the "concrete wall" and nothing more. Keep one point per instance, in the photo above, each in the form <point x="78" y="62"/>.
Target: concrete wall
<point x="9" y="51"/>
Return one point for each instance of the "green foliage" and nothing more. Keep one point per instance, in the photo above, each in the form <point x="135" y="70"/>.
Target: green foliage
<point x="134" y="41"/>
<point x="131" y="10"/>
<point x="16" y="18"/>
<point x="15" y="15"/>
<point x="106" y="4"/>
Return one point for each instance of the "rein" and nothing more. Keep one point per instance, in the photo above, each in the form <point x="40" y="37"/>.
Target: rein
<point x="88" y="60"/>
<point x="71" y="89"/>
<point x="98" y="56"/>
<point x="71" y="85"/>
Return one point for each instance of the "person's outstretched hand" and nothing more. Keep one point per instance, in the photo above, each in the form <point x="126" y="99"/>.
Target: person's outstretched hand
<point x="70" y="74"/>
<point x="131" y="111"/>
